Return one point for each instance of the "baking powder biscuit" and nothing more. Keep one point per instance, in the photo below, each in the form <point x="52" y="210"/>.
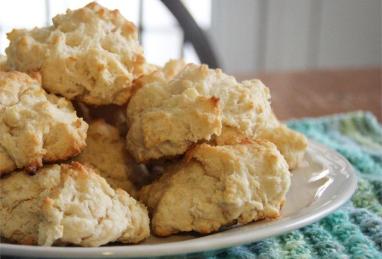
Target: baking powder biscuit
<point x="105" y="151"/>
<point x="292" y="144"/>
<point x="244" y="108"/>
<point x="173" y="67"/>
<point x="35" y="126"/>
<point x="218" y="186"/>
<point x="90" y="54"/>
<point x="165" y="124"/>
<point x="160" y="74"/>
<point x="68" y="204"/>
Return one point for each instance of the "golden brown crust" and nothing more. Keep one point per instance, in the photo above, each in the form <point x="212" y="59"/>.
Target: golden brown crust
<point x="90" y="54"/>
<point x="292" y="144"/>
<point x="162" y="74"/>
<point x="218" y="186"/>
<point x="172" y="68"/>
<point x="105" y="151"/>
<point x="163" y="124"/>
<point x="243" y="108"/>
<point x="68" y="204"/>
<point x="35" y="126"/>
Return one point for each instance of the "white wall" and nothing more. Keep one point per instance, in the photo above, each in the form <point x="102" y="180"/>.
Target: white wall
<point x="257" y="35"/>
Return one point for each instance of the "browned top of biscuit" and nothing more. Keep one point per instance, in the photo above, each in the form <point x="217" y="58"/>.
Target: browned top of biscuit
<point x="35" y="126"/>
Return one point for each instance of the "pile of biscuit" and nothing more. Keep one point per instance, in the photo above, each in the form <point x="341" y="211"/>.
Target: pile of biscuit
<point x="97" y="145"/>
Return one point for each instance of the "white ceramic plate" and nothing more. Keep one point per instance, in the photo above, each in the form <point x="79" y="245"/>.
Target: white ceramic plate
<point x="322" y="184"/>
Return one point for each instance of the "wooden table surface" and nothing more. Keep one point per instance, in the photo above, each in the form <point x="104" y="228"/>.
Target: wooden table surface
<point x="323" y="92"/>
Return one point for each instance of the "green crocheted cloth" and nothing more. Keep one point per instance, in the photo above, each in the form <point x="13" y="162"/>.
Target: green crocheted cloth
<point x="355" y="230"/>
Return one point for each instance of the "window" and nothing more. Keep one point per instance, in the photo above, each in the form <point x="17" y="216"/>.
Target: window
<point x="161" y="36"/>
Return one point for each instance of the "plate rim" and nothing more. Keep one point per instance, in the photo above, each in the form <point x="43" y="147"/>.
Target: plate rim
<point x="173" y="248"/>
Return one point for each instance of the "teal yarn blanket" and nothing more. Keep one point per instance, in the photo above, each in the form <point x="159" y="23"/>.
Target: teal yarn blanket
<point x="355" y="230"/>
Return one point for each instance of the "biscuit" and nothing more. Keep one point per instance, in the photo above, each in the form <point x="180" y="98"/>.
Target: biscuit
<point x="90" y="54"/>
<point x="247" y="110"/>
<point x="217" y="186"/>
<point x="148" y="68"/>
<point x="292" y="144"/>
<point x="173" y="67"/>
<point x="244" y="108"/>
<point x="162" y="74"/>
<point x="105" y="151"/>
<point x="68" y="204"/>
<point x="163" y="124"/>
<point x="35" y="127"/>
<point x="265" y="125"/>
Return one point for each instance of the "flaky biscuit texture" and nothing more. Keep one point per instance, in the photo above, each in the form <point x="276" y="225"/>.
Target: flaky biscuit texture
<point x="68" y="204"/>
<point x="292" y="144"/>
<point x="261" y="124"/>
<point x="163" y="74"/>
<point x="105" y="151"/>
<point x="218" y="186"/>
<point x="35" y="126"/>
<point x="244" y="108"/>
<point x="173" y="67"/>
<point x="90" y="54"/>
<point x="163" y="124"/>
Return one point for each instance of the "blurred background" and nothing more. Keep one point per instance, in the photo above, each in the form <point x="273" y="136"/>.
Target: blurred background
<point x="332" y="47"/>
